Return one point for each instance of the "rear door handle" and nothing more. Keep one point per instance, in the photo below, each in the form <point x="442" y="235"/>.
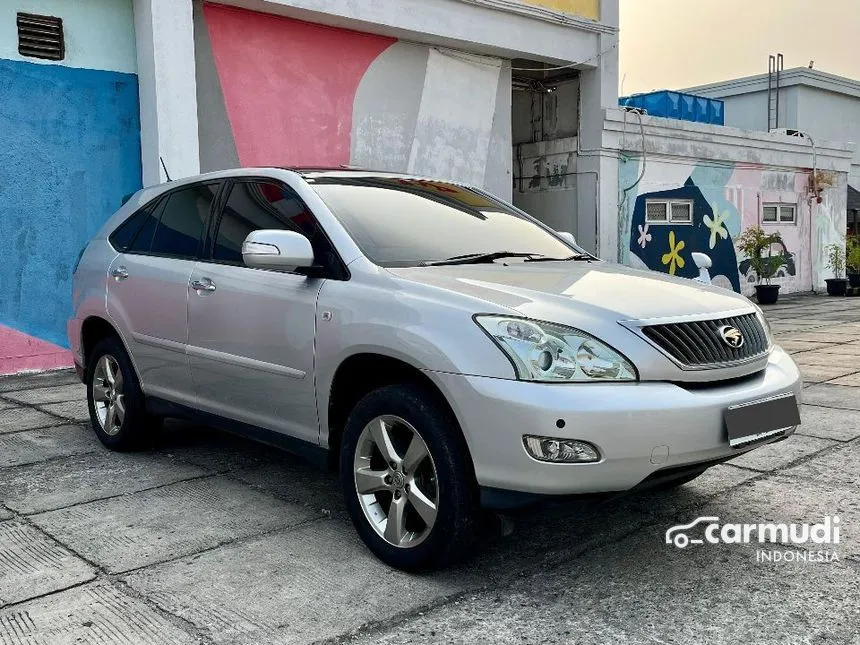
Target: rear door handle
<point x="120" y="273"/>
<point x="203" y="285"/>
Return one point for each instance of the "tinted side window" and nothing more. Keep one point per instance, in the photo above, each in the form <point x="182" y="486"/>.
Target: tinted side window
<point x="183" y="218"/>
<point x="252" y="206"/>
<point x="124" y="235"/>
<point x="148" y="223"/>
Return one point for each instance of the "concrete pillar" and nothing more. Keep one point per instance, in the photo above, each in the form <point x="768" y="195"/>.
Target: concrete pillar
<point x="597" y="168"/>
<point x="164" y="31"/>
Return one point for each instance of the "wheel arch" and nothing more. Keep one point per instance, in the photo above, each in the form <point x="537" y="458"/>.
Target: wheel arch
<point x="359" y="374"/>
<point x="96" y="328"/>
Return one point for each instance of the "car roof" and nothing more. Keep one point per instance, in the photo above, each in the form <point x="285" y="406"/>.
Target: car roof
<point x="149" y="193"/>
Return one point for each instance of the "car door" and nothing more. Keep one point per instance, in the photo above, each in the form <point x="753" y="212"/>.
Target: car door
<point x="251" y="331"/>
<point x="147" y="293"/>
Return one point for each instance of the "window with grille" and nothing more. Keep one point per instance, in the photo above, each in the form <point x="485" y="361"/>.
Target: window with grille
<point x="779" y="213"/>
<point x="668" y="211"/>
<point x="41" y="37"/>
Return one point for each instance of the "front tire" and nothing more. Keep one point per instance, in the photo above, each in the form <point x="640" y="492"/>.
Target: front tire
<point x="114" y="397"/>
<point x="407" y="479"/>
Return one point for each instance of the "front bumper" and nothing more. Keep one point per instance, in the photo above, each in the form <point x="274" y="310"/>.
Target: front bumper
<point x="639" y="428"/>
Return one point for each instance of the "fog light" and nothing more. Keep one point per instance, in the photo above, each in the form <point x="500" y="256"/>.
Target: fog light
<point x="563" y="451"/>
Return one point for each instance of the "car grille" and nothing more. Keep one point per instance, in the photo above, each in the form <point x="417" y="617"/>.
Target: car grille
<point x="700" y="344"/>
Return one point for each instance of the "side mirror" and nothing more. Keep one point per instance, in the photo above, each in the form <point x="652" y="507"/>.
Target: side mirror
<point x="567" y="237"/>
<point x="272" y="249"/>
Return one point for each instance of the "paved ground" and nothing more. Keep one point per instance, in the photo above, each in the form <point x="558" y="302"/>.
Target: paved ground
<point x="211" y="539"/>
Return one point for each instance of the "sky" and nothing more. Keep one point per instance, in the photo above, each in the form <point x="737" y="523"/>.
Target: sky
<point x="673" y="44"/>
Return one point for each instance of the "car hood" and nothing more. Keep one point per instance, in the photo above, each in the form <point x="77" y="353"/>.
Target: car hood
<point x="546" y="290"/>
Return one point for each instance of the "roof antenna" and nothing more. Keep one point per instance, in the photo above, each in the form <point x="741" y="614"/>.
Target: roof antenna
<point x="166" y="174"/>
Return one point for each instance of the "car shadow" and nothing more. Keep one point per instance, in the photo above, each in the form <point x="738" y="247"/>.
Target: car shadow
<point x="508" y="543"/>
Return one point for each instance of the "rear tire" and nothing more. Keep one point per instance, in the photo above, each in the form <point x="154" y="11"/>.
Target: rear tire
<point x="407" y="479"/>
<point x="115" y="400"/>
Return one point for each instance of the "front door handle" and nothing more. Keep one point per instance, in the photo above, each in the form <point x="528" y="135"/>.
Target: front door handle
<point x="120" y="273"/>
<point x="203" y="285"/>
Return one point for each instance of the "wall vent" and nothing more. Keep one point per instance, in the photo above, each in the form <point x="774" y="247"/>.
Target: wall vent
<point x="41" y="37"/>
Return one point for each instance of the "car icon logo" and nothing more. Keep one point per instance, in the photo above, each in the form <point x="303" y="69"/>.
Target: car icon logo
<point x="677" y="536"/>
<point x="731" y="336"/>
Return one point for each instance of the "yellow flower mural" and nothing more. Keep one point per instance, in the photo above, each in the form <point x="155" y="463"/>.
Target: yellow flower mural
<point x="673" y="257"/>
<point x="715" y="226"/>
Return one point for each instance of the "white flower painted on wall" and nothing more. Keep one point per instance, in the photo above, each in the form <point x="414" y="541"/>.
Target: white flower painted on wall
<point x="715" y="225"/>
<point x="644" y="235"/>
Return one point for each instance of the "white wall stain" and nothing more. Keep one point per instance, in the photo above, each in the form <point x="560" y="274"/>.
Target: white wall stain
<point x="455" y="118"/>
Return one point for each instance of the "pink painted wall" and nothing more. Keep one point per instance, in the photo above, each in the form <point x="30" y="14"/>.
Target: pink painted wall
<point x="288" y="85"/>
<point x="20" y="352"/>
<point x="749" y="188"/>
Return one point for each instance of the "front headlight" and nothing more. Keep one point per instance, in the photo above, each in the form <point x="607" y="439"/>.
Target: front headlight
<point x="543" y="351"/>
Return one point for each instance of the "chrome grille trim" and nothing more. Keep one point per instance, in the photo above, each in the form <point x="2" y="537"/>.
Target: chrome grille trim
<point x="694" y="343"/>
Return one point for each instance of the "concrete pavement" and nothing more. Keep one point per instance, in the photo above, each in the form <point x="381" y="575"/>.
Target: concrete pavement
<point x="213" y="539"/>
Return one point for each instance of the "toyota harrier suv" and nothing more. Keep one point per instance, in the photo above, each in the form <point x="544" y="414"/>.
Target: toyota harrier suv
<point x="440" y="347"/>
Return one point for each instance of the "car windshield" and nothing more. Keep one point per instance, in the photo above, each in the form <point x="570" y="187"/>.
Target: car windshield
<point x="400" y="222"/>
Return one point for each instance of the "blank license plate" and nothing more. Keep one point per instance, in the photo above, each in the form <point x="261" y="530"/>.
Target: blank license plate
<point x="750" y="422"/>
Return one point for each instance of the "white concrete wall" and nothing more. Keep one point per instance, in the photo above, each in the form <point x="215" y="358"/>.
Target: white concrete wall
<point x="449" y="116"/>
<point x="823" y="114"/>
<point x="493" y="27"/>
<point x="545" y="182"/>
<point x="455" y="118"/>
<point x="824" y="105"/>
<point x="749" y="111"/>
<point x="570" y="181"/>
<point x="168" y="92"/>
<point x="99" y="34"/>
<point x="828" y="115"/>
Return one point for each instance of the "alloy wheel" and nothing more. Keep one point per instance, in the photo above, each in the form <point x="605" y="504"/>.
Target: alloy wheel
<point x="396" y="481"/>
<point x="108" y="396"/>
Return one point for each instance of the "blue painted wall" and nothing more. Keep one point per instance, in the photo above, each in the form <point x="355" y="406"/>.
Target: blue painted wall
<point x="69" y="152"/>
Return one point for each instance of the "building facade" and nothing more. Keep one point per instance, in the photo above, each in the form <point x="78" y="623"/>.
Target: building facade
<point x="825" y="106"/>
<point x="136" y="89"/>
<point x="686" y="187"/>
<point x="69" y="151"/>
<point x="516" y="96"/>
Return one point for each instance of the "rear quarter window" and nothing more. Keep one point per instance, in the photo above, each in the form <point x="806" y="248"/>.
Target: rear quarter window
<point x="123" y="238"/>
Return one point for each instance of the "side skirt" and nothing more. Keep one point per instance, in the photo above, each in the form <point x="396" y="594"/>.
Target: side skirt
<point x="312" y="453"/>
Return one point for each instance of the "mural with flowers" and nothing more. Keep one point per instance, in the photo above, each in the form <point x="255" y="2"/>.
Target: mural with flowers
<point x="726" y="199"/>
<point x="667" y="247"/>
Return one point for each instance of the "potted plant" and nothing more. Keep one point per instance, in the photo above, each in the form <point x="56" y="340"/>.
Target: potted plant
<point x="852" y="260"/>
<point x="837" y="285"/>
<point x="758" y="247"/>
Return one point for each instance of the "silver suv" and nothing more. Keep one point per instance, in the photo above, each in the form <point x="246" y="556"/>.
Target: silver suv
<point x="442" y="348"/>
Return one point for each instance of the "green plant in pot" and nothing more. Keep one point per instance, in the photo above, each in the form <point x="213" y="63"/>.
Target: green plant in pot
<point x="852" y="260"/>
<point x="758" y="246"/>
<point x="838" y="284"/>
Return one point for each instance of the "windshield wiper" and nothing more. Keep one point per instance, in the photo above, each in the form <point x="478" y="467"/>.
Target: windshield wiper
<point x="480" y="258"/>
<point x="576" y="257"/>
